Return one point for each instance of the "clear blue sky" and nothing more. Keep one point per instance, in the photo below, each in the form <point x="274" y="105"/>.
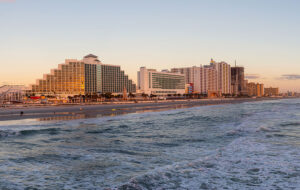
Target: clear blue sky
<point x="262" y="35"/>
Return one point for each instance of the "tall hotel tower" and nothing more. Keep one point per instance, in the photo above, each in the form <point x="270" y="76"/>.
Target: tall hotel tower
<point x="215" y="77"/>
<point x="238" y="83"/>
<point x="224" y="76"/>
<point x="203" y="79"/>
<point x="87" y="76"/>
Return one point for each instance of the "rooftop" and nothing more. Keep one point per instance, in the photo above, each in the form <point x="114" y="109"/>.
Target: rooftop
<point x="90" y="55"/>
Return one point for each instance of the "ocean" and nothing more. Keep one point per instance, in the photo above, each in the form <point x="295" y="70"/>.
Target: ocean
<point x="252" y="145"/>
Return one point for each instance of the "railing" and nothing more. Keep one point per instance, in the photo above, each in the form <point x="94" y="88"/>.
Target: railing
<point x="10" y="95"/>
<point x="2" y="96"/>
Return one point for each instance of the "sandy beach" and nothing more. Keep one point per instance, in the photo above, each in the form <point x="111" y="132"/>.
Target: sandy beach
<point x="68" y="112"/>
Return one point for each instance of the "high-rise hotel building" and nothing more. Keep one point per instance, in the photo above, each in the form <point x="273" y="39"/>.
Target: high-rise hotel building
<point x="238" y="82"/>
<point x="154" y="82"/>
<point x="224" y="76"/>
<point x="188" y="72"/>
<point x="215" y="77"/>
<point x="87" y="76"/>
<point x="203" y="79"/>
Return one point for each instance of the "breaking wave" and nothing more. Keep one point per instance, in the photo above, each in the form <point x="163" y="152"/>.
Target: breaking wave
<point x="252" y="145"/>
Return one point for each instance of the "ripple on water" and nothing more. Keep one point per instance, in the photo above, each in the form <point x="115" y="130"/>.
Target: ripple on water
<point x="243" y="164"/>
<point x="239" y="146"/>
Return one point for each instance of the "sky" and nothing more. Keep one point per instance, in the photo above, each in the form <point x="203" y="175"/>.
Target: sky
<point x="261" y="35"/>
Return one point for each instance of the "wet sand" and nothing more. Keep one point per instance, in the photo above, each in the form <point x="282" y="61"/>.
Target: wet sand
<point x="68" y="112"/>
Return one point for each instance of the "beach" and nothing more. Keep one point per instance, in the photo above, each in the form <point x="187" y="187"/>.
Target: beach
<point x="80" y="111"/>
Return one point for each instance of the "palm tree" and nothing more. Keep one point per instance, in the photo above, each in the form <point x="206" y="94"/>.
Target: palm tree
<point x="152" y="95"/>
<point x="144" y="95"/>
<point x="108" y="95"/>
<point x="130" y="95"/>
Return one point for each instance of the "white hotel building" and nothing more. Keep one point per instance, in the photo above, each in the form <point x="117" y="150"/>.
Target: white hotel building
<point x="215" y="77"/>
<point x="151" y="81"/>
<point x="224" y="76"/>
<point x="204" y="79"/>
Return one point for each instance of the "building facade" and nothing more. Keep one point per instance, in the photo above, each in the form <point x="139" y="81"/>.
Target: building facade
<point x="93" y="82"/>
<point x="238" y="83"/>
<point x="203" y="79"/>
<point x="271" y="91"/>
<point x="115" y="80"/>
<point x="255" y="89"/>
<point x="261" y="89"/>
<point x="87" y="76"/>
<point x="223" y="76"/>
<point x="154" y="82"/>
<point x="69" y="78"/>
<point x="206" y="80"/>
<point x="188" y="72"/>
<point x="189" y="88"/>
<point x="215" y="77"/>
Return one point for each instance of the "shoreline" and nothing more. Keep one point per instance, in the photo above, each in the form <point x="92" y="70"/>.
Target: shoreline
<point x="70" y="112"/>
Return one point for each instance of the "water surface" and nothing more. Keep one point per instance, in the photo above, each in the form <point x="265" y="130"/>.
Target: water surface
<point x="234" y="146"/>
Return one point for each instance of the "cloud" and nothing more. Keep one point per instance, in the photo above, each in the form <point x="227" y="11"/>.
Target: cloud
<point x="290" y="77"/>
<point x="252" y="76"/>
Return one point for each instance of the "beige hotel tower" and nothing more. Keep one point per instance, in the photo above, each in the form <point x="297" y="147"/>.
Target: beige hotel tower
<point x="80" y="77"/>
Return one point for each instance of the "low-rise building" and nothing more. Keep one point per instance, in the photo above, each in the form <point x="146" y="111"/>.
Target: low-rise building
<point x="255" y="89"/>
<point x="271" y="91"/>
<point x="189" y="88"/>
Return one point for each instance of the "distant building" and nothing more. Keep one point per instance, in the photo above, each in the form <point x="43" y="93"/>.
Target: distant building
<point x="262" y="89"/>
<point x="215" y="77"/>
<point x="204" y="79"/>
<point x="255" y="89"/>
<point x="188" y="72"/>
<point x="154" y="82"/>
<point x="224" y="76"/>
<point x="238" y="83"/>
<point x="290" y="93"/>
<point x="114" y="80"/>
<point x="189" y="88"/>
<point x="87" y="76"/>
<point x="271" y="91"/>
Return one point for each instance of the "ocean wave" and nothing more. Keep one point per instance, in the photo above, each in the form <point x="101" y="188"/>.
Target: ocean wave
<point x="29" y="132"/>
<point x="237" y="147"/>
<point x="191" y="140"/>
<point x="243" y="164"/>
<point x="50" y="131"/>
<point x="9" y="133"/>
<point x="40" y="158"/>
<point x="100" y="131"/>
<point x="167" y="144"/>
<point x="290" y="124"/>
